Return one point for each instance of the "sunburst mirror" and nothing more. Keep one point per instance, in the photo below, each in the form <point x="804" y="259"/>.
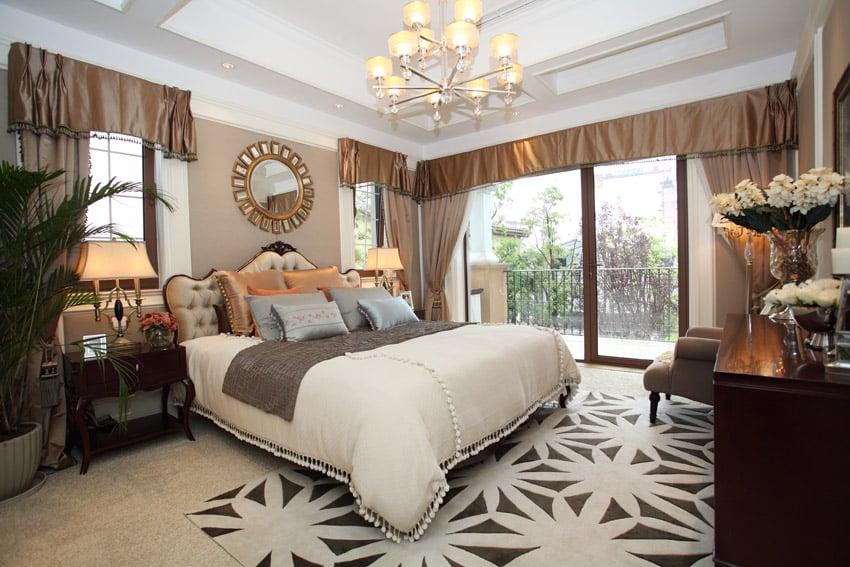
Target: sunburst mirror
<point x="272" y="187"/>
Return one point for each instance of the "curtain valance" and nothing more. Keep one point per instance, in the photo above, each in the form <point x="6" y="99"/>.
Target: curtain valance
<point x="763" y="118"/>
<point x="362" y="163"/>
<point x="51" y="94"/>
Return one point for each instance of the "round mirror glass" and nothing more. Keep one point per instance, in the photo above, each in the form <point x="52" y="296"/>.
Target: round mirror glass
<point x="272" y="187"/>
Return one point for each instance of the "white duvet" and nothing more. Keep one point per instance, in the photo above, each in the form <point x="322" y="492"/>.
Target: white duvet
<point x="392" y="421"/>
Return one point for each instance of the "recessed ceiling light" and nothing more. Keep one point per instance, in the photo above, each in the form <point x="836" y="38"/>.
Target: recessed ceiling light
<point x="228" y="65"/>
<point x="339" y="106"/>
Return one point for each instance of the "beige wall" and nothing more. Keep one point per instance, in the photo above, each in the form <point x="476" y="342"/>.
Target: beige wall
<point x="806" y="120"/>
<point x="221" y="235"/>
<point x="836" y="56"/>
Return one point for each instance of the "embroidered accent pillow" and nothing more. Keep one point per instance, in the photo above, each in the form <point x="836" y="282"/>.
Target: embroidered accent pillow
<point x="268" y="326"/>
<point x="311" y="280"/>
<point x="346" y="298"/>
<point x="310" y="322"/>
<point x="383" y="314"/>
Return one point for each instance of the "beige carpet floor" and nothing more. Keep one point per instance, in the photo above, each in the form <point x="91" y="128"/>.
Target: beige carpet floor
<point x="129" y="508"/>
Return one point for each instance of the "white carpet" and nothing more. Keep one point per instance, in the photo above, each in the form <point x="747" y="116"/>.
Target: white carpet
<point x="593" y="484"/>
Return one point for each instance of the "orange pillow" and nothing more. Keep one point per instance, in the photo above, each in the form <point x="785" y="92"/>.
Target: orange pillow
<point x="259" y="291"/>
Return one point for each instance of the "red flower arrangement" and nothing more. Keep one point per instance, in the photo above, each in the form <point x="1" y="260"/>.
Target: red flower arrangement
<point x="164" y="321"/>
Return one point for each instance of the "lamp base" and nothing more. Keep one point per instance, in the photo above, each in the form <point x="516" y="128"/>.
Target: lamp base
<point x="123" y="343"/>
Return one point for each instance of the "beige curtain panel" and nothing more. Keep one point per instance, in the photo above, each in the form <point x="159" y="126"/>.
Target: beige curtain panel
<point x="362" y="163"/>
<point x="723" y="172"/>
<point x="51" y="94"/>
<point x="763" y="118"/>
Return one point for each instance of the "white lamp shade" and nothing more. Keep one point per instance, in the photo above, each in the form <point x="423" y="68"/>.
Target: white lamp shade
<point x="116" y="259"/>
<point x="504" y="45"/>
<point x="383" y="259"/>
<point x="403" y="43"/>
<point x="468" y="10"/>
<point x="462" y="34"/>
<point x="379" y="67"/>
<point x="392" y="84"/>
<point x="416" y="13"/>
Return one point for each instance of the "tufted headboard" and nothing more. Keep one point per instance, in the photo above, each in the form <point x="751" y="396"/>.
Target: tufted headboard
<point x="192" y="300"/>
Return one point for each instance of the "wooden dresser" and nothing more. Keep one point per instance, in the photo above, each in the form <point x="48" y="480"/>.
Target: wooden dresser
<point x="782" y="450"/>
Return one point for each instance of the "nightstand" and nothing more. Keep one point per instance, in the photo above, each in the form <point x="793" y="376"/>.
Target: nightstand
<point x="90" y="379"/>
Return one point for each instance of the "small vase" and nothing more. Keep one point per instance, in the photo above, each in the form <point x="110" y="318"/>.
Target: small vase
<point x="159" y="338"/>
<point x="793" y="254"/>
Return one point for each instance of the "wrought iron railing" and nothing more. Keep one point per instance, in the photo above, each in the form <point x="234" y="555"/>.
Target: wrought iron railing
<point x="632" y="303"/>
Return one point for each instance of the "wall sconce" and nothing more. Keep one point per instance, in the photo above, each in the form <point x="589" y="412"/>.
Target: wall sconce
<point x="383" y="260"/>
<point x="117" y="260"/>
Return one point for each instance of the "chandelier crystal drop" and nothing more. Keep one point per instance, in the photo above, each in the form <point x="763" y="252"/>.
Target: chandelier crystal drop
<point x="418" y="49"/>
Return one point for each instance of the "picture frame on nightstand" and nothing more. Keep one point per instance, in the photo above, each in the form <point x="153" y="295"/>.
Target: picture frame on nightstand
<point x="407" y="296"/>
<point x="94" y="344"/>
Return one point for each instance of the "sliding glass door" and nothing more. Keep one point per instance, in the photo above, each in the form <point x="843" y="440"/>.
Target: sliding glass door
<point x="594" y="254"/>
<point x="634" y="260"/>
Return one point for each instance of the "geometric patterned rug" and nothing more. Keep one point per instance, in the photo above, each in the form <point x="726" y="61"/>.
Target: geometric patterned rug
<point x="592" y="484"/>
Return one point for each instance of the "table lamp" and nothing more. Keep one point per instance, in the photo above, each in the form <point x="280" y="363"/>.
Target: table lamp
<point x="116" y="260"/>
<point x="383" y="260"/>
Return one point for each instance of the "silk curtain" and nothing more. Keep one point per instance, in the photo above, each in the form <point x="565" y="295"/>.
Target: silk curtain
<point x="46" y="403"/>
<point x="443" y="222"/>
<point x="763" y="118"/>
<point x="51" y="94"/>
<point x="723" y="172"/>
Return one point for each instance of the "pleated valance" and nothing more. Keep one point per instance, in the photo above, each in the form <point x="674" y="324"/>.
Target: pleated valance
<point x="763" y="118"/>
<point x="51" y="94"/>
<point x="362" y="163"/>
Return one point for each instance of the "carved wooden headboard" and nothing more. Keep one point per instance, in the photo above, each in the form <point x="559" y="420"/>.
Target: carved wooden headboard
<point x="192" y="300"/>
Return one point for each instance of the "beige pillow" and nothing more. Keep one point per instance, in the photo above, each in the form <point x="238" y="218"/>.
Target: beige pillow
<point x="312" y="280"/>
<point x="234" y="288"/>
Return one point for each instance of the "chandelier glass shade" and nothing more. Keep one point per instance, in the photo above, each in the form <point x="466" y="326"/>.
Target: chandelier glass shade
<point x="419" y="51"/>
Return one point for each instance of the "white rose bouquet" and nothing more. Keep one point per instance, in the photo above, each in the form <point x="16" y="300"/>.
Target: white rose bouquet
<point x="810" y="293"/>
<point x="785" y="204"/>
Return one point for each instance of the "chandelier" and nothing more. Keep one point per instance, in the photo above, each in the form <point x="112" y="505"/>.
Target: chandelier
<point x="419" y="50"/>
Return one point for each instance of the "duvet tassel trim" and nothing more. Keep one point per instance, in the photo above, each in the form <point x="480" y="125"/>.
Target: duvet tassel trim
<point x="328" y="470"/>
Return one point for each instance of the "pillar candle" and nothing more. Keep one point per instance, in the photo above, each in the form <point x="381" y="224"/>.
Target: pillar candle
<point x="842" y="237"/>
<point x="841" y="261"/>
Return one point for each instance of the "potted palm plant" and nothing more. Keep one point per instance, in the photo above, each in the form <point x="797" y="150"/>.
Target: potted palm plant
<point x="39" y="227"/>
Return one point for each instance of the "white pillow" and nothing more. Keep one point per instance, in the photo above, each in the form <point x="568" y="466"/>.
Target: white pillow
<point x="268" y="326"/>
<point x="346" y="298"/>
<point x="309" y="322"/>
<point x="385" y="314"/>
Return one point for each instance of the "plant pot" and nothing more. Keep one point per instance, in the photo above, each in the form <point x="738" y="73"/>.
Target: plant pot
<point x="19" y="458"/>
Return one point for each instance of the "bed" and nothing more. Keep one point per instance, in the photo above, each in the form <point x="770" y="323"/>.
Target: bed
<point x="390" y="420"/>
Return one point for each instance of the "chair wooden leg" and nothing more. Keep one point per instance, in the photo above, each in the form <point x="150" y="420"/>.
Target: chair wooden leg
<point x="654" y="398"/>
<point x="667" y="396"/>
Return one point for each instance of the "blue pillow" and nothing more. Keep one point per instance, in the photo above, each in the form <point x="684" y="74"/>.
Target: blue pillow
<point x="385" y="314"/>
<point x="346" y="298"/>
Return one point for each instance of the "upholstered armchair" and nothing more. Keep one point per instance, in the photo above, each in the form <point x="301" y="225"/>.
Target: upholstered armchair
<point x="688" y="371"/>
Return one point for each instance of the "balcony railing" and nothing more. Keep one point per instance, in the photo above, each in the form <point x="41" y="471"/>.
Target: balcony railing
<point x="632" y="303"/>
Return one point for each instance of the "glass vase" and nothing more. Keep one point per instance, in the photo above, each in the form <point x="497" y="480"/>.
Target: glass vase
<point x="159" y="338"/>
<point x="793" y="254"/>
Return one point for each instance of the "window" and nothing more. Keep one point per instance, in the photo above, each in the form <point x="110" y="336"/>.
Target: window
<point x="368" y="221"/>
<point x="119" y="157"/>
<point x="125" y="159"/>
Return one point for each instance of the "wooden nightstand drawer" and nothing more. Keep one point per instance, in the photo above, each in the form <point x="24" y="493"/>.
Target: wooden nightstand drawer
<point x="153" y="368"/>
